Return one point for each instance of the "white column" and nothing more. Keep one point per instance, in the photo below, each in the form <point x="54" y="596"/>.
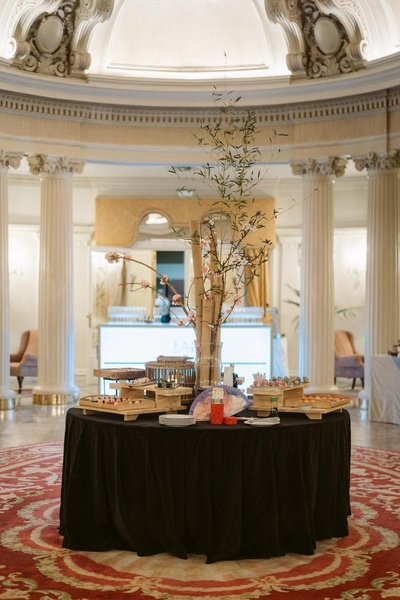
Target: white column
<point x="56" y="320"/>
<point x="7" y="396"/>
<point x="383" y="239"/>
<point x="316" y="323"/>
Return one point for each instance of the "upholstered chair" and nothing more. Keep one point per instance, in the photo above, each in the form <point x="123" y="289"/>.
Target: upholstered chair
<point x="348" y="363"/>
<point x="24" y="363"/>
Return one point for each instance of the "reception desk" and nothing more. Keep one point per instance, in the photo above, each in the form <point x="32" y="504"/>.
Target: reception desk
<point x="248" y="347"/>
<point x="384" y="405"/>
<point x="226" y="492"/>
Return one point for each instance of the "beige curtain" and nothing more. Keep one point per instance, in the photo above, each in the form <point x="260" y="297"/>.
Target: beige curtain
<point x="258" y="290"/>
<point x="107" y="292"/>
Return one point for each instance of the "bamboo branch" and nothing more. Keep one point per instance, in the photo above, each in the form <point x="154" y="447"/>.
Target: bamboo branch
<point x="198" y="276"/>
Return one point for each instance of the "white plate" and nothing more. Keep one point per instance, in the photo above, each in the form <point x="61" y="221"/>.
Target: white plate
<point x="262" y="422"/>
<point x="176" y="417"/>
<point x="176" y="420"/>
<point x="177" y="423"/>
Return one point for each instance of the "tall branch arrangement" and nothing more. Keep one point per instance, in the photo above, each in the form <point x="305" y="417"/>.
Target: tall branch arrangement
<point x="225" y="260"/>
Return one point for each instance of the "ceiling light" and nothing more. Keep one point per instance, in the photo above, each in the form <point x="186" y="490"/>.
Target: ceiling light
<point x="185" y="193"/>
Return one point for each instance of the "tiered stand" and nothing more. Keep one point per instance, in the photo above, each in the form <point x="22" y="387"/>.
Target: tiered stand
<point x="293" y="400"/>
<point x="134" y="400"/>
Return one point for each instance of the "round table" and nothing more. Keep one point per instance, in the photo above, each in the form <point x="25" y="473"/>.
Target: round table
<point x="223" y="491"/>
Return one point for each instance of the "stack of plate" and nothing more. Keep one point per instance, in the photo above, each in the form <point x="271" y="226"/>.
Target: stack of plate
<point x="176" y="420"/>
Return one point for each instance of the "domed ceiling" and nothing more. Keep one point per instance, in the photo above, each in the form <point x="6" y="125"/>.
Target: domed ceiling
<point x="169" y="51"/>
<point x="172" y="53"/>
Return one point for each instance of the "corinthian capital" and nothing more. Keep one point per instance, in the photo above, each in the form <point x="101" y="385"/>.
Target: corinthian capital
<point x="9" y="159"/>
<point x="332" y="165"/>
<point x="42" y="163"/>
<point x="381" y="161"/>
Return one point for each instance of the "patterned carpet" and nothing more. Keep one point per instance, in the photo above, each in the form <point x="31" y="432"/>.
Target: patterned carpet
<point x="33" y="565"/>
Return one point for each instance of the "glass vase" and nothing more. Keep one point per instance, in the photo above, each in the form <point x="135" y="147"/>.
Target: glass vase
<point x="208" y="365"/>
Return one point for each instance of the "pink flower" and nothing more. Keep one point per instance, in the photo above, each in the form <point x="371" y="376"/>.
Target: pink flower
<point x="112" y="257"/>
<point x="249" y="227"/>
<point x="181" y="323"/>
<point x="205" y="269"/>
<point x="128" y="256"/>
<point x="191" y="315"/>
<point x="237" y="299"/>
<point x="144" y="284"/>
<point x="205" y="242"/>
<point x="176" y="299"/>
<point x="164" y="279"/>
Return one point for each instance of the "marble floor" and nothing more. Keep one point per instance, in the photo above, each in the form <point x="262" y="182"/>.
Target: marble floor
<point x="33" y="424"/>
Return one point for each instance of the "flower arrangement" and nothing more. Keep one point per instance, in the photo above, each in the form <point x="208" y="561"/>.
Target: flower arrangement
<point x="227" y="243"/>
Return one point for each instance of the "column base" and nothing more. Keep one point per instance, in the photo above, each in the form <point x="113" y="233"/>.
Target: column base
<point x="7" y="403"/>
<point x="363" y="399"/>
<point x="54" y="399"/>
<point x="7" y="399"/>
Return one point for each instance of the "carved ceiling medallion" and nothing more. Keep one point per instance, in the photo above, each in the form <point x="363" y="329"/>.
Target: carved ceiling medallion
<point x="327" y="35"/>
<point x="49" y="34"/>
<point x="49" y="40"/>
<point x="328" y="48"/>
<point x="53" y="39"/>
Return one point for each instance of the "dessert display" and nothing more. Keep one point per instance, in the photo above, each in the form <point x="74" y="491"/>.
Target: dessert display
<point x="172" y="371"/>
<point x="321" y="401"/>
<point x="136" y="397"/>
<point x="292" y="398"/>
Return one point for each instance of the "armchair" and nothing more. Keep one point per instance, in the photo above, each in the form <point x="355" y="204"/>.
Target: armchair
<point x="348" y="363"/>
<point x="25" y="362"/>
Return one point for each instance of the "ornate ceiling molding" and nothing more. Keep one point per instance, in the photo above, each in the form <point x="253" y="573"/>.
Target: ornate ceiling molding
<point x="349" y="14"/>
<point x="324" y="37"/>
<point x="320" y="110"/>
<point x="52" y="36"/>
<point x="88" y="15"/>
<point x="287" y="14"/>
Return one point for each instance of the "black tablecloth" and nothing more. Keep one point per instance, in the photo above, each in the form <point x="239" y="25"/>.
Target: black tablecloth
<point x="227" y="492"/>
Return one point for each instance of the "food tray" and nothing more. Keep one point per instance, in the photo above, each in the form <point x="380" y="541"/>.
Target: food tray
<point x="312" y="413"/>
<point x="324" y="400"/>
<point x="129" y="408"/>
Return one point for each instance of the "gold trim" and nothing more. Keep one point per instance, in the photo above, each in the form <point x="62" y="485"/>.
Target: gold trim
<point x="7" y="403"/>
<point x="54" y="399"/>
